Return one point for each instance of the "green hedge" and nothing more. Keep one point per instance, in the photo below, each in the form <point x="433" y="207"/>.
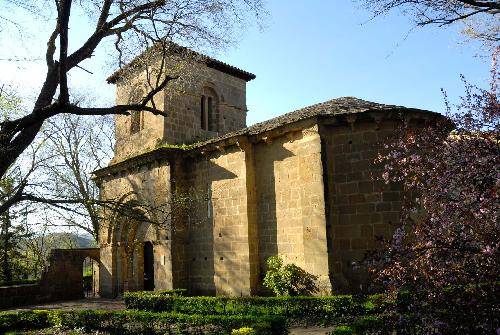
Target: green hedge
<point x="343" y="330"/>
<point x="30" y="320"/>
<point x="175" y="292"/>
<point x="374" y="324"/>
<point x="371" y="324"/>
<point x="18" y="282"/>
<point x="303" y="310"/>
<point x="136" y="322"/>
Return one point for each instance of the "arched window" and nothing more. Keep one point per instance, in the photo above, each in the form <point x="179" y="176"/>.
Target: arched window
<point x="209" y="112"/>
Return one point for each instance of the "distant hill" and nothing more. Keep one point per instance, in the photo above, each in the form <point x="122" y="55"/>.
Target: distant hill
<point x="70" y="241"/>
<point x="62" y="241"/>
<point x="36" y="250"/>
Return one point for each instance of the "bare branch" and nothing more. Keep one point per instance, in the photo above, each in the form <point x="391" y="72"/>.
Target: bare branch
<point x="51" y="47"/>
<point x="64" y="10"/>
<point x="480" y="17"/>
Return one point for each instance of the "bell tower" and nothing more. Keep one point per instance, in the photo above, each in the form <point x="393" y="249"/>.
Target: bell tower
<point x="212" y="102"/>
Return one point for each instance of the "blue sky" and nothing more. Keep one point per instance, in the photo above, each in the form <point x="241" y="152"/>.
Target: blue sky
<point x="309" y="52"/>
<point x="316" y="50"/>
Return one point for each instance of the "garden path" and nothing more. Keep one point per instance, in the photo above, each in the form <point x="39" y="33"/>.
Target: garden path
<point x="311" y="331"/>
<point x="88" y="303"/>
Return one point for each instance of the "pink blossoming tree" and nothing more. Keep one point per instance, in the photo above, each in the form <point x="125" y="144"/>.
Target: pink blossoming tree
<point x="446" y="251"/>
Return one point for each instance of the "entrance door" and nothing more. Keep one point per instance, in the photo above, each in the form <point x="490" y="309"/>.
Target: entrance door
<point x="89" y="278"/>
<point x="149" y="269"/>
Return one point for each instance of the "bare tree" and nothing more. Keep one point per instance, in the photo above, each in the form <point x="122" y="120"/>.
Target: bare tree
<point x="480" y="18"/>
<point x="81" y="145"/>
<point x="135" y="26"/>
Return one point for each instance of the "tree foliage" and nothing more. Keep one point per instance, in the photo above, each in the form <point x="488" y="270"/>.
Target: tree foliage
<point x="450" y="233"/>
<point x="12" y="236"/>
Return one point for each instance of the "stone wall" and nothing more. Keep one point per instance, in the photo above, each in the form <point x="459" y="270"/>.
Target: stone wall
<point x="249" y="201"/>
<point x="19" y="295"/>
<point x="306" y="190"/>
<point x="151" y="126"/>
<point x="122" y="238"/>
<point x="219" y="240"/>
<point x="62" y="280"/>
<point x="254" y="201"/>
<point x="182" y="101"/>
<point x="290" y="202"/>
<point x="361" y="209"/>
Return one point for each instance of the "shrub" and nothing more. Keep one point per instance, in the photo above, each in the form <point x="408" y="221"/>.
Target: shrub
<point x="379" y="303"/>
<point x="342" y="330"/>
<point x="466" y="309"/>
<point x="372" y="323"/>
<point x="18" y="282"/>
<point x="23" y="320"/>
<point x="449" y="229"/>
<point x="135" y="322"/>
<point x="288" y="279"/>
<point x="364" y="325"/>
<point x="244" y="331"/>
<point x="174" y="292"/>
<point x="300" y="310"/>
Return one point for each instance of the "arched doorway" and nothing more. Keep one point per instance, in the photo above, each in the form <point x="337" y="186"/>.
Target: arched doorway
<point x="132" y="237"/>
<point x="149" y="270"/>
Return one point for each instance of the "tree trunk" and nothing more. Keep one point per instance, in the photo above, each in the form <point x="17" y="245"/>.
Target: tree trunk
<point x="6" y="271"/>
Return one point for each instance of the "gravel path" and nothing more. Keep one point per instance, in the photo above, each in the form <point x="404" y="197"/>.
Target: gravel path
<point x="89" y="303"/>
<point x="311" y="331"/>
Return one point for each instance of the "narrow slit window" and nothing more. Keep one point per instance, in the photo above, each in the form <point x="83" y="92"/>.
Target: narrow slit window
<point x="210" y="114"/>
<point x="136" y="117"/>
<point x="135" y="122"/>
<point x="203" y="116"/>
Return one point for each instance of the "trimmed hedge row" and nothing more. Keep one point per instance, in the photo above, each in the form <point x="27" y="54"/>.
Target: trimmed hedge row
<point x="30" y="320"/>
<point x="136" y="322"/>
<point x="18" y="282"/>
<point x="175" y="292"/>
<point x="303" y="310"/>
<point x="372" y="324"/>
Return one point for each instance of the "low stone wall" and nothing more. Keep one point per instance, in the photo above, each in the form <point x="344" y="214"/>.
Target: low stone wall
<point x="19" y="295"/>
<point x="63" y="280"/>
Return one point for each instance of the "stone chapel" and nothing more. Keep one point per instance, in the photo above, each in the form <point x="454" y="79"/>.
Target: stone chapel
<point x="302" y="185"/>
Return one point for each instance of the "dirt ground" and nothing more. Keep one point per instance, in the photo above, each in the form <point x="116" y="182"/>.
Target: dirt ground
<point x="89" y="303"/>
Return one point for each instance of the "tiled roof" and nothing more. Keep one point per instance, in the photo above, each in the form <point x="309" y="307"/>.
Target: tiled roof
<point x="208" y="61"/>
<point x="331" y="108"/>
<point x="344" y="105"/>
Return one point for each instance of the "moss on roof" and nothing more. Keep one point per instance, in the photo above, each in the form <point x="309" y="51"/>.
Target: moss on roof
<point x="331" y="108"/>
<point x="338" y="106"/>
